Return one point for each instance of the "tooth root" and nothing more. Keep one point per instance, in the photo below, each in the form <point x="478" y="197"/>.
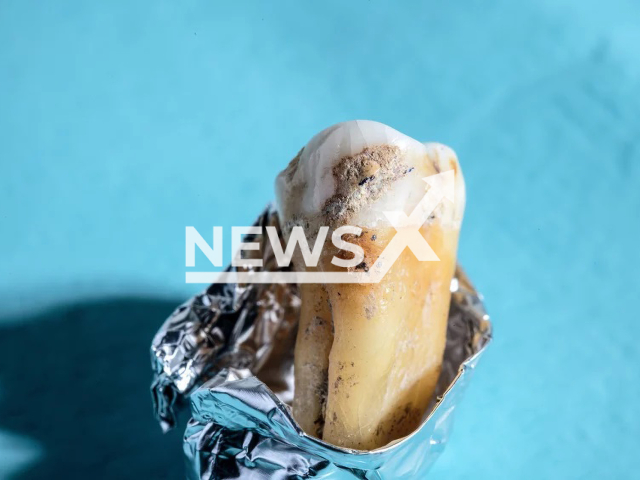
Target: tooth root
<point x="388" y="345"/>
<point x="313" y="343"/>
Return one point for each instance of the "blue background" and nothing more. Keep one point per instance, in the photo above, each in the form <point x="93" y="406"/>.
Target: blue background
<point x="123" y="122"/>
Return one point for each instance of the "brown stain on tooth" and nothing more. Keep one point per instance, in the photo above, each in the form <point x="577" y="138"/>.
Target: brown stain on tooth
<point x="361" y="179"/>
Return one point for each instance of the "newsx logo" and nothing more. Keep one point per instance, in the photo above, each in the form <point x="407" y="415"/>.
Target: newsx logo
<point x="407" y="234"/>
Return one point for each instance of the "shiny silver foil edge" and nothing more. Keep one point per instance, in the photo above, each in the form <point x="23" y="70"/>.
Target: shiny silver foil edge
<point x="230" y="350"/>
<point x="245" y="326"/>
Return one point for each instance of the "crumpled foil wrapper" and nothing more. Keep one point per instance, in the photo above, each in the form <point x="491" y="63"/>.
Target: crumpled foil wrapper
<point x="229" y="350"/>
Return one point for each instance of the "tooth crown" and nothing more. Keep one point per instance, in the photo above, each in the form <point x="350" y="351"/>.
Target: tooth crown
<point x="354" y="171"/>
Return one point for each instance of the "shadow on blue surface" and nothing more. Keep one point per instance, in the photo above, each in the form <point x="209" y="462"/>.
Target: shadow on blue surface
<point x="76" y="381"/>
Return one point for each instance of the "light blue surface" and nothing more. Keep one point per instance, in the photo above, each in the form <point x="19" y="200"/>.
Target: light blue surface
<point x="123" y="122"/>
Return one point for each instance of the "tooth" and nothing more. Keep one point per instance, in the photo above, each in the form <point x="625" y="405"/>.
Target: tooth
<point x="374" y="348"/>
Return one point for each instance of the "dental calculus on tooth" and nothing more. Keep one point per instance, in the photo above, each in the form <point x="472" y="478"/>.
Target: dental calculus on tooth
<point x="368" y="356"/>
